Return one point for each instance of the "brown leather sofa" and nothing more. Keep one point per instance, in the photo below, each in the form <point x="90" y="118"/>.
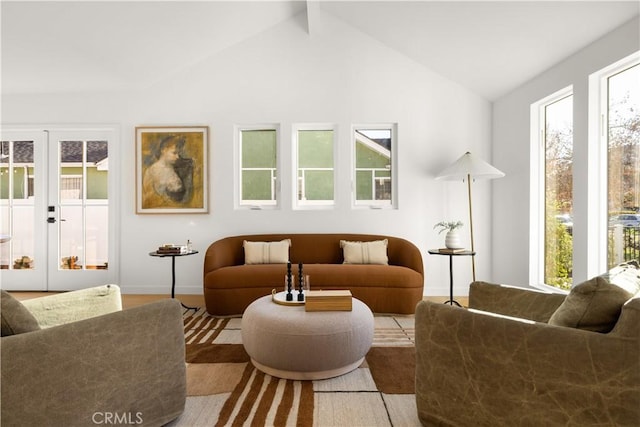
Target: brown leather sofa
<point x="230" y="285"/>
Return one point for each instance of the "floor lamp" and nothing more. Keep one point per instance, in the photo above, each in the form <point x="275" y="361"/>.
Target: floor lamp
<point x="470" y="168"/>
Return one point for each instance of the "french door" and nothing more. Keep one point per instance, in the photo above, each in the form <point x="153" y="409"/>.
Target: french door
<point x="57" y="209"/>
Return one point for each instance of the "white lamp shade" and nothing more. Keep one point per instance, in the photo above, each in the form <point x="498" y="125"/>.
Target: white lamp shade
<point x="468" y="165"/>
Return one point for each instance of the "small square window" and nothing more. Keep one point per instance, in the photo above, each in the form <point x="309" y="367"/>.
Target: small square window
<point x="314" y="165"/>
<point x="258" y="167"/>
<point x="374" y="148"/>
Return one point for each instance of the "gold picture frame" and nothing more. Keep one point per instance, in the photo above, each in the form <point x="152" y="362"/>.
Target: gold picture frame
<point x="172" y="171"/>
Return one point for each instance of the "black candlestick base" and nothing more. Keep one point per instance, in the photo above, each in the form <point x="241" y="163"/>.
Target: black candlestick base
<point x="289" y="296"/>
<point x="300" y="296"/>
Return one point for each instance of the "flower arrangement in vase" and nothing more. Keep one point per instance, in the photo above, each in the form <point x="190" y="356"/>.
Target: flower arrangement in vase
<point x="452" y="238"/>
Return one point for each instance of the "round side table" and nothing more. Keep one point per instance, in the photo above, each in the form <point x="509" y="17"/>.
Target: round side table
<point x="451" y="255"/>
<point x="173" y="271"/>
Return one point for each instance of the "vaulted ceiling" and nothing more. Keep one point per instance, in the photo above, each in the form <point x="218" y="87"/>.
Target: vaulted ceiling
<point x="488" y="47"/>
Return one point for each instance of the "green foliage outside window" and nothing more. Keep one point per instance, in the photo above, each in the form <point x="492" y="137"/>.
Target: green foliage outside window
<point x="558" y="254"/>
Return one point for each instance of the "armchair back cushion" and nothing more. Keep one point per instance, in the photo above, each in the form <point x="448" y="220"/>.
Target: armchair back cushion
<point x="16" y="319"/>
<point x="595" y="305"/>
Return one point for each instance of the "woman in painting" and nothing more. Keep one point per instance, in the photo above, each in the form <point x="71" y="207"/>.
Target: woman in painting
<point x="168" y="181"/>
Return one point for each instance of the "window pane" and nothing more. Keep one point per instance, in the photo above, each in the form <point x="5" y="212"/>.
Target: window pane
<point x="23" y="237"/>
<point x="373" y="165"/>
<point x="364" y="185"/>
<point x="315" y="165"/>
<point x="623" y="165"/>
<point x="17" y="204"/>
<point x="258" y="166"/>
<point x="84" y="205"/>
<point x="259" y="149"/>
<point x="71" y="161"/>
<point x="97" y="237"/>
<point x="559" y="193"/>
<point x="318" y="185"/>
<point x="71" y="238"/>
<point x="97" y="170"/>
<point x="256" y="185"/>
<point x="4" y="170"/>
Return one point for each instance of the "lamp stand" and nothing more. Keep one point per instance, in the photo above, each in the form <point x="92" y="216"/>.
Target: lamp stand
<point x="473" y="258"/>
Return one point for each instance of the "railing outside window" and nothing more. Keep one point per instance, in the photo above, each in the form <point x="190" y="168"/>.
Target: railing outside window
<point x="624" y="244"/>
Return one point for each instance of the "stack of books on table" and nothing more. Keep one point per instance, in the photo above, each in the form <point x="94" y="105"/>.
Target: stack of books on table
<point x="172" y="249"/>
<point x="451" y="251"/>
<point x="328" y="300"/>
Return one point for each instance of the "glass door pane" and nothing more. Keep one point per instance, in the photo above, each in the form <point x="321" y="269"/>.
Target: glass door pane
<point x="16" y="175"/>
<point x="84" y="213"/>
<point x="22" y="212"/>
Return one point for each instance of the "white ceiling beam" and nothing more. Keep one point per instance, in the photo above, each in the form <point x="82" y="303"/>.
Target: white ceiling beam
<point x="313" y="9"/>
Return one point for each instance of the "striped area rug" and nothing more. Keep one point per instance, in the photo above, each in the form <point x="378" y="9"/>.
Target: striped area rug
<point x="224" y="389"/>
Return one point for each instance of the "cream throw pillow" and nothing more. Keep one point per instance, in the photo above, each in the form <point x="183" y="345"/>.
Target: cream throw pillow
<point x="266" y="252"/>
<point x="595" y="305"/>
<point x="365" y="252"/>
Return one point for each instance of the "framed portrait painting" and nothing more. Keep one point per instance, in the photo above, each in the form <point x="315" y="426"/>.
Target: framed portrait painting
<point x="172" y="170"/>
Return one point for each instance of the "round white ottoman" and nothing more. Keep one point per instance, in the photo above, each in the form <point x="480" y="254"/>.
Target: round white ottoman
<point x="289" y="342"/>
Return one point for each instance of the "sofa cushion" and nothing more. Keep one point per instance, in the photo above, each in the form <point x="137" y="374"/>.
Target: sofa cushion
<point x="374" y="252"/>
<point x="266" y="252"/>
<point x="16" y="319"/>
<point x="595" y="305"/>
<point x="322" y="276"/>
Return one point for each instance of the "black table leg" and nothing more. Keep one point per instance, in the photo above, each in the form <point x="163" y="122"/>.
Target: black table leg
<point x="451" y="300"/>
<point x="173" y="283"/>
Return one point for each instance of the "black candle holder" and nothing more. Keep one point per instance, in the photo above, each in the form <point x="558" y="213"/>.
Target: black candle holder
<point x="300" y="282"/>
<point x="289" y="294"/>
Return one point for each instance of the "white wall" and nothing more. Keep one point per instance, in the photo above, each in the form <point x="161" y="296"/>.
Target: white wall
<point x="285" y="76"/>
<point x="511" y="154"/>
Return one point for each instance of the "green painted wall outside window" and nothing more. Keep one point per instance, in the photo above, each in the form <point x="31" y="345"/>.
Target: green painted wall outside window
<point x="315" y="164"/>
<point x="97" y="187"/>
<point x="259" y="164"/>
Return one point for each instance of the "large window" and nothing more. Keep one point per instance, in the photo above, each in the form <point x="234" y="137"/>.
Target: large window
<point x="622" y="116"/>
<point x="314" y="171"/>
<point x="258" y="167"/>
<point x="552" y="190"/>
<point x="374" y="173"/>
<point x="558" y="192"/>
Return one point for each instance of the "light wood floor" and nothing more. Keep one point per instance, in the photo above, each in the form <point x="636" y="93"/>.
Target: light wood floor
<point x="131" y="300"/>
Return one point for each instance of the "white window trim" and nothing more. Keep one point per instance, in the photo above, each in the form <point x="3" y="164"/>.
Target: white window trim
<point x="598" y="163"/>
<point x="536" y="189"/>
<point x="256" y="204"/>
<point x="312" y="204"/>
<point x="376" y="204"/>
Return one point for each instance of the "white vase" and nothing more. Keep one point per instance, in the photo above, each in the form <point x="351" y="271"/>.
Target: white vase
<point x="452" y="240"/>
